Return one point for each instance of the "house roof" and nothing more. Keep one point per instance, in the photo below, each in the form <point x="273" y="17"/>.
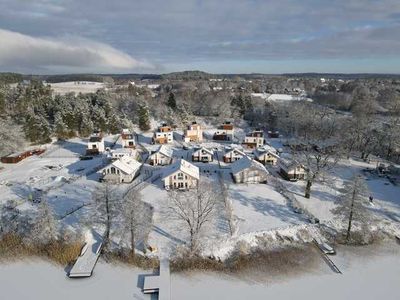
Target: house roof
<point x="229" y="150"/>
<point x="126" y="165"/>
<point x="183" y="166"/>
<point x="289" y="163"/>
<point x="165" y="150"/>
<point x="264" y="150"/>
<point x="245" y="163"/>
<point x="95" y="139"/>
<point x="204" y="149"/>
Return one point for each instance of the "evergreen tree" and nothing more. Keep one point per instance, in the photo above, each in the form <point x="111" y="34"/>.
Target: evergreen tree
<point x="144" y="119"/>
<point x="171" y="101"/>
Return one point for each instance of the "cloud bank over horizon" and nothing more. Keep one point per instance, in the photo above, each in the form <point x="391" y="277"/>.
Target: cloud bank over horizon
<point x="19" y="52"/>
<point x="219" y="36"/>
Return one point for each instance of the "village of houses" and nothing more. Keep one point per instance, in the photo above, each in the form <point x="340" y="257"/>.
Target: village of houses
<point x="263" y="184"/>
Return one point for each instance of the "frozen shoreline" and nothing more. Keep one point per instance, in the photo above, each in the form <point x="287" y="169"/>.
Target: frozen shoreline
<point x="369" y="272"/>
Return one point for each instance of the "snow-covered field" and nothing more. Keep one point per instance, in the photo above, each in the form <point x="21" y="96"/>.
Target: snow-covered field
<point x="76" y="87"/>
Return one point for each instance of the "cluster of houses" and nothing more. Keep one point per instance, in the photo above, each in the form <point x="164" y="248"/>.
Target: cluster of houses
<point x="182" y="174"/>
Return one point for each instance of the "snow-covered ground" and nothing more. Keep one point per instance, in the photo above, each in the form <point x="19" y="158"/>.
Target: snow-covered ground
<point x="76" y="87"/>
<point x="258" y="207"/>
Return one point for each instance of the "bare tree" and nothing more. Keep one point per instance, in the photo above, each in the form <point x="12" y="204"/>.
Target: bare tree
<point x="351" y="206"/>
<point x="195" y="208"/>
<point x="135" y="215"/>
<point x="45" y="227"/>
<point x="105" y="209"/>
<point x="320" y="149"/>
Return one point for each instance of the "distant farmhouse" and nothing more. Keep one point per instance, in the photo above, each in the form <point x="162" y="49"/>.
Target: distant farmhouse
<point x="202" y="154"/>
<point x="247" y="170"/>
<point x="122" y="170"/>
<point x="181" y="175"/>
<point x="225" y="132"/>
<point x="193" y="133"/>
<point x="95" y="144"/>
<point x="161" y="157"/>
<point x="163" y="135"/>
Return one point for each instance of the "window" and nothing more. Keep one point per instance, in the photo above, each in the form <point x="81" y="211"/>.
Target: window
<point x="180" y="176"/>
<point x="112" y="170"/>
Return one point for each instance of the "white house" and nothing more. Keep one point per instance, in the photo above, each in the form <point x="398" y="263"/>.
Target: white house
<point x="247" y="170"/>
<point x="291" y="169"/>
<point x="127" y="139"/>
<point x="232" y="154"/>
<point x="163" y="135"/>
<point x="254" y="139"/>
<point x="122" y="152"/>
<point x="161" y="157"/>
<point x="266" y="155"/>
<point x="193" y="133"/>
<point x="181" y="175"/>
<point x="122" y="170"/>
<point x="95" y="144"/>
<point x="202" y="154"/>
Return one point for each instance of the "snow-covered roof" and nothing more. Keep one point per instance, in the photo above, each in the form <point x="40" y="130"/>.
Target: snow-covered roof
<point x="228" y="150"/>
<point x="165" y="150"/>
<point x="183" y="166"/>
<point x="289" y="163"/>
<point x="126" y="165"/>
<point x="203" y="149"/>
<point x="265" y="149"/>
<point x="122" y="151"/>
<point x="245" y="163"/>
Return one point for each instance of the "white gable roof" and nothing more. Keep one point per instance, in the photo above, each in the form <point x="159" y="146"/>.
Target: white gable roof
<point x="265" y="150"/>
<point x="183" y="166"/>
<point x="204" y="149"/>
<point x="238" y="151"/>
<point x="164" y="150"/>
<point x="245" y="163"/>
<point x="126" y="165"/>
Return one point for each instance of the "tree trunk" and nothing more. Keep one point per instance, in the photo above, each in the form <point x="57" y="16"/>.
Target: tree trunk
<point x="351" y="215"/>
<point x="132" y="240"/>
<point x="307" y="193"/>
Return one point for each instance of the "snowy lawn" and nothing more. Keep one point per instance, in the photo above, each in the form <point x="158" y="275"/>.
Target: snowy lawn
<point x="259" y="207"/>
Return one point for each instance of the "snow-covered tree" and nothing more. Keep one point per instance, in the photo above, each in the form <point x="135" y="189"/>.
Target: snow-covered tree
<point x="45" y="227"/>
<point x="352" y="205"/>
<point x="195" y="208"/>
<point x="144" y="118"/>
<point x="135" y="215"/>
<point x="105" y="209"/>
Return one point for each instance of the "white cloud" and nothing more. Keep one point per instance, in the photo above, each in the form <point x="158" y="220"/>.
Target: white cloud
<point x="21" y="52"/>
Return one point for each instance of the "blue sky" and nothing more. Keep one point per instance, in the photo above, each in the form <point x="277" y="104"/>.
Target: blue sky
<point x="224" y="36"/>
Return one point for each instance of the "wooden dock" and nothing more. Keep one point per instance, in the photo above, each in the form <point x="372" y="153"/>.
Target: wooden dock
<point x="161" y="283"/>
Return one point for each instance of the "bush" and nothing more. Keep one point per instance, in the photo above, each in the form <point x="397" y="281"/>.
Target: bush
<point x="13" y="247"/>
<point x="277" y="261"/>
<point x="136" y="260"/>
